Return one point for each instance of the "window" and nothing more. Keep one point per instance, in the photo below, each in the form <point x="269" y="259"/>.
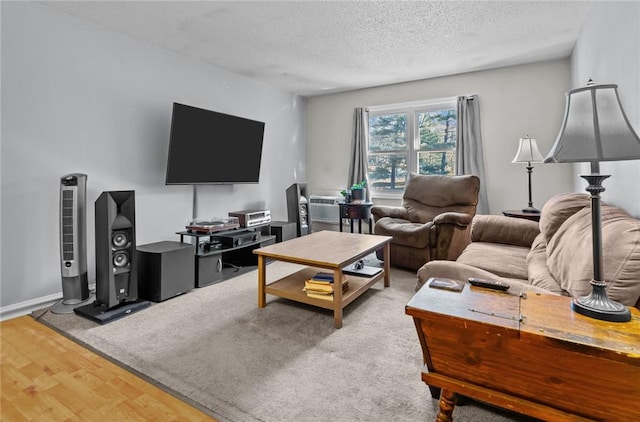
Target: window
<point x="404" y="138"/>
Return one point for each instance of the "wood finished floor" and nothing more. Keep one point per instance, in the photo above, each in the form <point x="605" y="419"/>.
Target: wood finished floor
<point x="47" y="377"/>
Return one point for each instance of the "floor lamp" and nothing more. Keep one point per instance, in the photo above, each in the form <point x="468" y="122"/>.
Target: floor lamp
<point x="595" y="128"/>
<point x="528" y="153"/>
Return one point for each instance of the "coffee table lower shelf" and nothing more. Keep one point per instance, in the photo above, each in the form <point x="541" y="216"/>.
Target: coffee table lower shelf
<point x="290" y="287"/>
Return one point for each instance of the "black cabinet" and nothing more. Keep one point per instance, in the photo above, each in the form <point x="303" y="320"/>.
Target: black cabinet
<point x="225" y="254"/>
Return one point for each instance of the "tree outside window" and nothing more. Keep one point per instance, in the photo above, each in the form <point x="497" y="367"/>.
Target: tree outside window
<point x="420" y="139"/>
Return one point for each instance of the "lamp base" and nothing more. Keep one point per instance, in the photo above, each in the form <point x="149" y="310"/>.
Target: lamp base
<point x="531" y="210"/>
<point x="598" y="306"/>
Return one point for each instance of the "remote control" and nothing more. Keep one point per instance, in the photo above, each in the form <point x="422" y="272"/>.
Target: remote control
<point x="489" y="284"/>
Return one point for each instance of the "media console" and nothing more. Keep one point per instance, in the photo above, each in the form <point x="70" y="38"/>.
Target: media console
<point x="228" y="253"/>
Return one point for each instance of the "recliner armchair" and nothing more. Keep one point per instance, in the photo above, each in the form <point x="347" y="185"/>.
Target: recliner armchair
<point x="433" y="221"/>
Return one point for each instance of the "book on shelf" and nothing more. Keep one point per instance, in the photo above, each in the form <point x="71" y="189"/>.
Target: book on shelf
<point x="310" y="285"/>
<point x="325" y="277"/>
<point x="320" y="296"/>
<point x="312" y="282"/>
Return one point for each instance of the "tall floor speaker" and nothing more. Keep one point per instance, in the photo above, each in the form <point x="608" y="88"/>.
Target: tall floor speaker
<point x="73" y="243"/>
<point x="116" y="271"/>
<point x="116" y="275"/>
<point x="298" y="208"/>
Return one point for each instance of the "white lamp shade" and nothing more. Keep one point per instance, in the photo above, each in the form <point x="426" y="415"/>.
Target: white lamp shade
<point x="594" y="128"/>
<point x="527" y="152"/>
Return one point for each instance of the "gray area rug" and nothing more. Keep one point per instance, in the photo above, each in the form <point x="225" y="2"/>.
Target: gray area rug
<point x="285" y="362"/>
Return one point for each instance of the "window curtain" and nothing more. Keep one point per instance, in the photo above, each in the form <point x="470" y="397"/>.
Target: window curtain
<point x="358" y="166"/>
<point x="469" y="156"/>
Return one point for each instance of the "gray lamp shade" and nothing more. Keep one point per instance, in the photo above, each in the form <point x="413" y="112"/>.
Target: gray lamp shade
<point x="594" y="128"/>
<point x="527" y="151"/>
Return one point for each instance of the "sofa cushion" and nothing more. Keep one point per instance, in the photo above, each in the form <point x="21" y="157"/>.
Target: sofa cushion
<point x="405" y="232"/>
<point x="538" y="270"/>
<point x="426" y="196"/>
<point x="501" y="229"/>
<point x="500" y="259"/>
<point x="557" y="209"/>
<point x="569" y="254"/>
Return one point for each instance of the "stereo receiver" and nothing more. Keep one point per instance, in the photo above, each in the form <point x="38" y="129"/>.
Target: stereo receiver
<point x="230" y="240"/>
<point x="252" y="218"/>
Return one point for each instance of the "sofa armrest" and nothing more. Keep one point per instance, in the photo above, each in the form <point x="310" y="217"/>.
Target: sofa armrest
<point x="502" y="229"/>
<point x="461" y="272"/>
<point x="459" y="218"/>
<point x="451" y="235"/>
<point x="380" y="211"/>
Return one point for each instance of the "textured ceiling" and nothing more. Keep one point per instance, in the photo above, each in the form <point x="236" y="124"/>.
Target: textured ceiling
<point x="316" y="47"/>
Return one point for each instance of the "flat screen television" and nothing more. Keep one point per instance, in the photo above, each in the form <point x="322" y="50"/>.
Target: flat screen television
<point x="207" y="147"/>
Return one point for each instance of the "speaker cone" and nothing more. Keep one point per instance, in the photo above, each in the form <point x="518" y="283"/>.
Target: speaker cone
<point x="303" y="208"/>
<point x="119" y="239"/>
<point x="120" y="259"/>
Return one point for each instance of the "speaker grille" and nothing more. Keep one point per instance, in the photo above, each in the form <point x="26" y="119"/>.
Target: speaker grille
<point x="67" y="225"/>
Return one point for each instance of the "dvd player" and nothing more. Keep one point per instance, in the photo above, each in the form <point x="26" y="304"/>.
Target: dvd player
<point x="229" y="240"/>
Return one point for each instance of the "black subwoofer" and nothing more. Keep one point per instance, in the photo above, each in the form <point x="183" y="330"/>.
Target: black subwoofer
<point x="116" y="275"/>
<point x="165" y="269"/>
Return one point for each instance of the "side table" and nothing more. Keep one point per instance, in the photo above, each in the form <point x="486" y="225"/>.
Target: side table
<point x="529" y="353"/>
<point x="356" y="211"/>
<point x="533" y="216"/>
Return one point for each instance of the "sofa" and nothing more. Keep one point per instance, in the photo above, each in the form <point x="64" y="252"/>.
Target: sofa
<point x="433" y="220"/>
<point x="552" y="256"/>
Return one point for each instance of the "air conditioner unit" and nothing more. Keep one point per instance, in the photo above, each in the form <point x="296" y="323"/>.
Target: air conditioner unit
<point x="324" y="208"/>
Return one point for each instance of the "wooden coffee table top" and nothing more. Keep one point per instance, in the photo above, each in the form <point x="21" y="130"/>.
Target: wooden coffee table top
<point x="328" y="249"/>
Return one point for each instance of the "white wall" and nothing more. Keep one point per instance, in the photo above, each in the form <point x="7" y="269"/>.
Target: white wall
<point x="77" y="97"/>
<point x="608" y="51"/>
<point x="514" y="102"/>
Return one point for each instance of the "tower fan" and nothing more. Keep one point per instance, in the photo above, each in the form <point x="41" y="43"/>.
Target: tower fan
<point x="73" y="243"/>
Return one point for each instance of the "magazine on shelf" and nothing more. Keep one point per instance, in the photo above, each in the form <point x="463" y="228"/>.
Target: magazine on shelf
<point x="362" y="270"/>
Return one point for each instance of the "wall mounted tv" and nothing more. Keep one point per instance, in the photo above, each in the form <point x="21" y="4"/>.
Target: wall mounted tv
<point x="207" y="147"/>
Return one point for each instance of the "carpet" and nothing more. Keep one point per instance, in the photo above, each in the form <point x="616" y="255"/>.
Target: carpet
<point x="285" y="362"/>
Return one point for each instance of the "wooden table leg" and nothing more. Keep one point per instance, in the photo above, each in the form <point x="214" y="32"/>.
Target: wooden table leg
<point x="337" y="298"/>
<point x="386" y="252"/>
<point x="447" y="404"/>
<point x="262" y="281"/>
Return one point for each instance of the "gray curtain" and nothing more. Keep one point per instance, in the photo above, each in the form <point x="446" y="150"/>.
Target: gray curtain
<point x="469" y="156"/>
<point x="358" y="166"/>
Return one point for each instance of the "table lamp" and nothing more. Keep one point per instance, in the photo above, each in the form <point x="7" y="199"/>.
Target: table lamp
<point x="595" y="128"/>
<point x="528" y="153"/>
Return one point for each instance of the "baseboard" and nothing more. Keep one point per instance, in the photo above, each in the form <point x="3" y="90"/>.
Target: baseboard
<point x="26" y="307"/>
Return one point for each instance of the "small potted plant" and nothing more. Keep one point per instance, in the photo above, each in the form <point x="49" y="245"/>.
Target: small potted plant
<point x="356" y="193"/>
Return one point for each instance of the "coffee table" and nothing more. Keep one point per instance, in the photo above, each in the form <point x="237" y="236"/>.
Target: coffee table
<point x="530" y="353"/>
<point x="324" y="250"/>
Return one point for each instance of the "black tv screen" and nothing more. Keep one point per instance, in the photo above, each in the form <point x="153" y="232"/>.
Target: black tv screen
<point x="207" y="147"/>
